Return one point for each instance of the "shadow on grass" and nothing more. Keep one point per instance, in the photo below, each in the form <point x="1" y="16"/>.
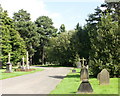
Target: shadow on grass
<point x="73" y="76"/>
<point x="58" y="77"/>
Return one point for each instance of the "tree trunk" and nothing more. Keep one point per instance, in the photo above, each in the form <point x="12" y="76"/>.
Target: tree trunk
<point x="1" y="65"/>
<point x="43" y="55"/>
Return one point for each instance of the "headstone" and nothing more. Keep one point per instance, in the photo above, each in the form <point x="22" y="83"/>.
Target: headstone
<point x="104" y="77"/>
<point x="8" y="65"/>
<point x="84" y="74"/>
<point x="19" y="65"/>
<point x="27" y="61"/>
<point x="73" y="71"/>
<point x="78" y="64"/>
<point x="98" y="76"/>
<point x="87" y="66"/>
<point x="23" y="65"/>
<point x="85" y="87"/>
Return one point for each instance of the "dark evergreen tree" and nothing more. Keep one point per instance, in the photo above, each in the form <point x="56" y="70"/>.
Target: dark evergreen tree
<point x="27" y="30"/>
<point x="46" y="30"/>
<point x="11" y="42"/>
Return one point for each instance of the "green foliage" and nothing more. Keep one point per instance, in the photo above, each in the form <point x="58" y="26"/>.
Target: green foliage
<point x="46" y="30"/>
<point x="11" y="42"/>
<point x="80" y="41"/>
<point x="105" y="48"/>
<point x="27" y="30"/>
<point x="62" y="28"/>
<point x="61" y="50"/>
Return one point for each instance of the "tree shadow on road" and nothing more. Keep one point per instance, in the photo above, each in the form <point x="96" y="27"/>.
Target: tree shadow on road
<point x="58" y="77"/>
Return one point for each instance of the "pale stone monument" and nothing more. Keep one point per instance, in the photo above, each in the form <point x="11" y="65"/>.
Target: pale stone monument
<point x="84" y="74"/>
<point x="78" y="64"/>
<point x="85" y="86"/>
<point x="83" y="62"/>
<point x="23" y="64"/>
<point x="8" y="65"/>
<point x="98" y="76"/>
<point x="104" y="78"/>
<point x="27" y="61"/>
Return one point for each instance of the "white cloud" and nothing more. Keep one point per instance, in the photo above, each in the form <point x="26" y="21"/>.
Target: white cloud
<point x="35" y="7"/>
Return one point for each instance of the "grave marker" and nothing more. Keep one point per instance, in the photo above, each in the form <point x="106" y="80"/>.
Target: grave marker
<point x="84" y="74"/>
<point x="104" y="77"/>
<point x="85" y="87"/>
<point x="8" y="65"/>
<point x="27" y="61"/>
<point x="23" y="65"/>
<point x="98" y="76"/>
<point x="78" y="64"/>
<point x="83" y="62"/>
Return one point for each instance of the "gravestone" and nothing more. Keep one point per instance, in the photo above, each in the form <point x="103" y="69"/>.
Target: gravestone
<point x="78" y="64"/>
<point x="23" y="65"/>
<point x="98" y="76"/>
<point x="104" y="77"/>
<point x="27" y="61"/>
<point x="19" y="65"/>
<point x="73" y="71"/>
<point x="83" y="62"/>
<point x="84" y="74"/>
<point x="85" y="87"/>
<point x="8" y="65"/>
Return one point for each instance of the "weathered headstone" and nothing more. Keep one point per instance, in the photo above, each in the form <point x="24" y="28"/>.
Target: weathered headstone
<point x="84" y="74"/>
<point x="73" y="71"/>
<point x="23" y="65"/>
<point x="19" y="65"/>
<point x="104" y="77"/>
<point x="78" y="64"/>
<point x="98" y="76"/>
<point x="8" y="65"/>
<point x="85" y="87"/>
<point x="27" y="61"/>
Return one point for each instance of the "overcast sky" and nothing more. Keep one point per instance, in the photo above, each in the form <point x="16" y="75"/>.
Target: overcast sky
<point x="68" y="12"/>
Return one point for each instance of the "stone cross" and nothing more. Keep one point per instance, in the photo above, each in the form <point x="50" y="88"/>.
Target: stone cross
<point x="83" y="62"/>
<point x="85" y="86"/>
<point x="27" y="61"/>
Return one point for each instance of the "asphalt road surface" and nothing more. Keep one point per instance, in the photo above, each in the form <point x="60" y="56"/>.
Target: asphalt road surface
<point x="36" y="83"/>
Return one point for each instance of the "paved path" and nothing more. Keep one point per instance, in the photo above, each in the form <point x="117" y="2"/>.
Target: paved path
<point x="37" y="83"/>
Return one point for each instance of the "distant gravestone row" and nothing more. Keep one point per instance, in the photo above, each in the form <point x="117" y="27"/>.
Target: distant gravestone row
<point x="21" y="67"/>
<point x="85" y="86"/>
<point x="103" y="77"/>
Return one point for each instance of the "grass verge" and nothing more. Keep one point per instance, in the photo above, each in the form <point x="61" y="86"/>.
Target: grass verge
<point x="70" y="84"/>
<point x="14" y="74"/>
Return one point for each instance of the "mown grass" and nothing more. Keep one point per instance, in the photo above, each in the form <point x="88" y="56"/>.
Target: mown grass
<point x="16" y="73"/>
<point x="70" y="84"/>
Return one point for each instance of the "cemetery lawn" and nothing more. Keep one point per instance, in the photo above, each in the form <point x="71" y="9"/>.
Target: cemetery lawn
<point x="71" y="82"/>
<point x="14" y="74"/>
